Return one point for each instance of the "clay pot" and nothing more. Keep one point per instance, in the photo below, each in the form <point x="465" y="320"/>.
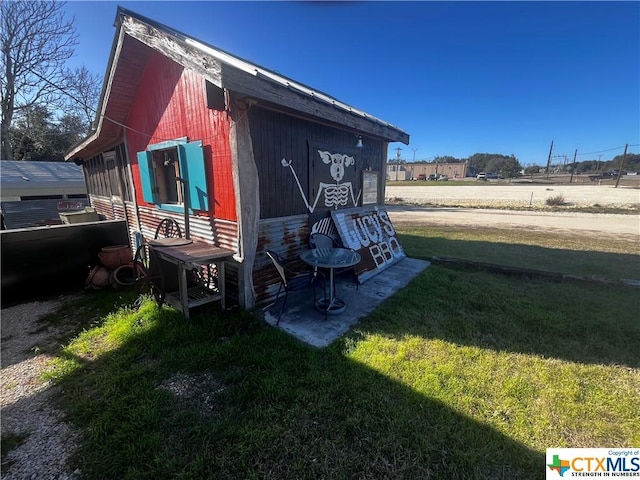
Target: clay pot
<point x="98" y="278"/>
<point x="115" y="256"/>
<point x="123" y="276"/>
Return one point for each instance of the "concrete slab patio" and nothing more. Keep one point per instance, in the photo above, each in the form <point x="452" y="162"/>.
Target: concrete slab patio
<point x="303" y="321"/>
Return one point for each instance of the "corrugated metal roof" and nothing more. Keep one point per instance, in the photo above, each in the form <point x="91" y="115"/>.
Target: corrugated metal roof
<point x="129" y="23"/>
<point x="29" y="178"/>
<point x="250" y="67"/>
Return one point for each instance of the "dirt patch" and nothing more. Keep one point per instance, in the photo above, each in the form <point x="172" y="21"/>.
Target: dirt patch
<point x="608" y="225"/>
<point x="459" y="205"/>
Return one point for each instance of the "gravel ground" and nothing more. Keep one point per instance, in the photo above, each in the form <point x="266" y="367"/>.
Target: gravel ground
<point x="416" y="205"/>
<point x="515" y="195"/>
<point x="617" y="226"/>
<point x="26" y="401"/>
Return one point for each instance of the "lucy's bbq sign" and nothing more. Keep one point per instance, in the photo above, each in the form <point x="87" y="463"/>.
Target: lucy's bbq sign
<point x="369" y="231"/>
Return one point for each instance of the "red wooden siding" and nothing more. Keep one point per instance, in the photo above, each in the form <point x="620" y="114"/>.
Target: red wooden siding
<point x="171" y="103"/>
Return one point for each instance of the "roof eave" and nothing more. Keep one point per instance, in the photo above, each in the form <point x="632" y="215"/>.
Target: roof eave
<point x="233" y="73"/>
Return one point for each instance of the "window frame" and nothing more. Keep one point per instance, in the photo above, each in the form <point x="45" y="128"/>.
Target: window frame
<point x="190" y="158"/>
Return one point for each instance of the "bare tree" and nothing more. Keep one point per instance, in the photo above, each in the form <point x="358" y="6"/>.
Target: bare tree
<point x="36" y="40"/>
<point x="83" y="90"/>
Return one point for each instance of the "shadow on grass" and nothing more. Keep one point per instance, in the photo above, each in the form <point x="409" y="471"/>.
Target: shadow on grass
<point x="585" y="323"/>
<point x="264" y="406"/>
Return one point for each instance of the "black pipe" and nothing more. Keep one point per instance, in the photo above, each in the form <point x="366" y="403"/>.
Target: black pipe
<point x="185" y="200"/>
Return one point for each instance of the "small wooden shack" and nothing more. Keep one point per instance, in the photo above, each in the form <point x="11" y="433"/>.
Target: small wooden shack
<point x="255" y="158"/>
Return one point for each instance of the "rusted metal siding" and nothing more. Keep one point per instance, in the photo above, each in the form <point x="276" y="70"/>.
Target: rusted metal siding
<point x="103" y="207"/>
<point x="277" y="135"/>
<point x="214" y="231"/>
<point x="171" y="103"/>
<point x="109" y="208"/>
<point x="286" y="236"/>
<point x="30" y="213"/>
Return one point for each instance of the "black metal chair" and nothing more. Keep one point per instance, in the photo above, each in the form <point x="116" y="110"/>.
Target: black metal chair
<point x="292" y="280"/>
<point x="168" y="228"/>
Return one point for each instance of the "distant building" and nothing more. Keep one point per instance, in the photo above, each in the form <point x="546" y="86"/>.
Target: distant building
<point x="411" y="171"/>
<point x="35" y="193"/>
<point x="397" y="172"/>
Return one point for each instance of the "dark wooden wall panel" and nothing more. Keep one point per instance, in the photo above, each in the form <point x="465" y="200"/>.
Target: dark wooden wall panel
<point x="276" y="136"/>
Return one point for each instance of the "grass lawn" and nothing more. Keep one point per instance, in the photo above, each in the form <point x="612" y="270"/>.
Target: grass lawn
<point x="463" y="374"/>
<point x="588" y="256"/>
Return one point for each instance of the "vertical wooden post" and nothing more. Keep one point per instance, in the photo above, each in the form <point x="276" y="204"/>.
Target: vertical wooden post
<point x="624" y="157"/>
<point x="246" y="185"/>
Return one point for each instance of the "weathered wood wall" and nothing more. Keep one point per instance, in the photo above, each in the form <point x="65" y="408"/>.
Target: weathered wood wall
<point x="277" y="135"/>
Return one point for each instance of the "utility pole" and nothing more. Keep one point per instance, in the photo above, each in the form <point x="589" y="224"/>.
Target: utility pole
<point x="397" y="161"/>
<point x="414" y="154"/>
<point x="573" y="168"/>
<point x="549" y="159"/>
<point x="624" y="157"/>
<point x="598" y="164"/>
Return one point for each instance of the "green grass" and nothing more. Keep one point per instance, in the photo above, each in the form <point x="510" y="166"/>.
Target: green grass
<point x="592" y="257"/>
<point x="462" y="374"/>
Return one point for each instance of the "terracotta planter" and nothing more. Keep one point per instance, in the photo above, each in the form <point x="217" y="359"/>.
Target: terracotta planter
<point x="115" y="256"/>
<point x="98" y="278"/>
<point x="123" y="276"/>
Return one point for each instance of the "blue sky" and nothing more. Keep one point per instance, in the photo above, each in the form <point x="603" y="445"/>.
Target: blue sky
<point x="459" y="77"/>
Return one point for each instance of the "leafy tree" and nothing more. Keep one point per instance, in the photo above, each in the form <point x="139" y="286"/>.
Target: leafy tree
<point x="631" y="163"/>
<point x="37" y="136"/>
<point x="507" y="166"/>
<point x="447" y="159"/>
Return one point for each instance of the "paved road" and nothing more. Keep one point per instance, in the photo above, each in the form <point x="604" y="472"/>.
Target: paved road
<point x="619" y="226"/>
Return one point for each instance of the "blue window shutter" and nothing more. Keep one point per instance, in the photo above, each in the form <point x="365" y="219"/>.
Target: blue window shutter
<point x="146" y="176"/>
<point x="192" y="169"/>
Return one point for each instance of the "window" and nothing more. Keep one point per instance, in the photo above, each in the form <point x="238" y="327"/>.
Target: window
<point x="172" y="174"/>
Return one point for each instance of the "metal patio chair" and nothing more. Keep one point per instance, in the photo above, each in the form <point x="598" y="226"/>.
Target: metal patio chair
<point x="292" y="280"/>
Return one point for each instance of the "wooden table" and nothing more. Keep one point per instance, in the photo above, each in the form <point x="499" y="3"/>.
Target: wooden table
<point x="186" y="254"/>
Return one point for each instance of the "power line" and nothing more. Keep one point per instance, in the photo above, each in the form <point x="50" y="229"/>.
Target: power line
<point x="609" y="149"/>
